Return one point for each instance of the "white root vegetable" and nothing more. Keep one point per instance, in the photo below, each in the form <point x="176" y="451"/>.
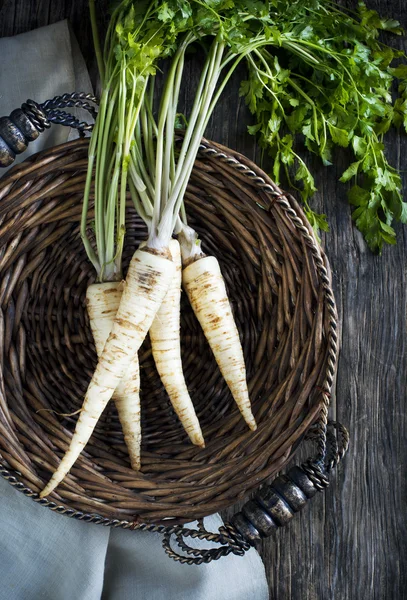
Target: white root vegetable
<point x="147" y="282"/>
<point x="204" y="284"/>
<point x="166" y="348"/>
<point x="103" y="301"/>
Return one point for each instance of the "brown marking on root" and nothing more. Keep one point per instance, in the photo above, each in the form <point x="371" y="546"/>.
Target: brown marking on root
<point x="110" y="291"/>
<point x="216" y="320"/>
<point x="165" y="252"/>
<point x="193" y="259"/>
<point x="127" y="324"/>
<point x="147" y="280"/>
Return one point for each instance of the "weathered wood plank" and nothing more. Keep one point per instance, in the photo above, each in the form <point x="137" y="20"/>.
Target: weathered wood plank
<point x="350" y="542"/>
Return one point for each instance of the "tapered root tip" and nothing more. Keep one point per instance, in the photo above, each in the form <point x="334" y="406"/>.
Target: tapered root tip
<point x="52" y="484"/>
<point x="197" y="439"/>
<point x="250" y="420"/>
<point x="136" y="465"/>
<point x="46" y="491"/>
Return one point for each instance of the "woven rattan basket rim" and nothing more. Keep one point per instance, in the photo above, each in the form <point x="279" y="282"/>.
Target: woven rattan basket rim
<point x="240" y="169"/>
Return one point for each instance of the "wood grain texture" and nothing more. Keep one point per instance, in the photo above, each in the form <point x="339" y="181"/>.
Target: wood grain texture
<point x="350" y="542"/>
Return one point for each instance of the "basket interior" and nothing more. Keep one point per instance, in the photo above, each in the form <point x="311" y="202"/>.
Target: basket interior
<point x="48" y="356"/>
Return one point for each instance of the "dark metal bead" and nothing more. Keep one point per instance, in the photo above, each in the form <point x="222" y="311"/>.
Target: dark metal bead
<point x="6" y="154"/>
<point x="27" y="128"/>
<point x="301" y="479"/>
<point x="245" y="528"/>
<point x="12" y="135"/>
<point x="259" y="517"/>
<point x="290" y="492"/>
<point x="278" y="508"/>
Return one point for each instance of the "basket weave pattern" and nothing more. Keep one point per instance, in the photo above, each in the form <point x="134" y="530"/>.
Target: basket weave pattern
<point x="272" y="268"/>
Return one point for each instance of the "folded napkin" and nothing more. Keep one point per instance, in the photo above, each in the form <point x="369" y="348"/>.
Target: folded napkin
<point x="45" y="556"/>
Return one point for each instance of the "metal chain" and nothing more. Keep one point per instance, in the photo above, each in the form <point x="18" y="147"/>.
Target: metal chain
<point x="60" y="117"/>
<point x="230" y="540"/>
<point x="36" y="115"/>
<point x="42" y="115"/>
<point x="342" y="441"/>
<point x="78" y="99"/>
<point x="195" y="556"/>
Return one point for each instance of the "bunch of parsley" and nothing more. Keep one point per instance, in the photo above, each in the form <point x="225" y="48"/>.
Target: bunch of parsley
<point x="317" y="74"/>
<point x="330" y="82"/>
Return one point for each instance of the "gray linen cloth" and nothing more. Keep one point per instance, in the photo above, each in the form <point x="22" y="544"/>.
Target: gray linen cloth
<point x="45" y="556"/>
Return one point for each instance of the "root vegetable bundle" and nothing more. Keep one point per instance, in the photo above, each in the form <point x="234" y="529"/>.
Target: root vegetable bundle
<point x="307" y="73"/>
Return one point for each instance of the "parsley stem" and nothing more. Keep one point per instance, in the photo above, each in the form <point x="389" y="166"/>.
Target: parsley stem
<point x="96" y="41"/>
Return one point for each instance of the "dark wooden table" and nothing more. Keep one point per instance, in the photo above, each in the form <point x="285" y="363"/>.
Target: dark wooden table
<point x="350" y="543"/>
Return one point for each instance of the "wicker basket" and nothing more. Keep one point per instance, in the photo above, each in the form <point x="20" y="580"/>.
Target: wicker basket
<point x="279" y="284"/>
